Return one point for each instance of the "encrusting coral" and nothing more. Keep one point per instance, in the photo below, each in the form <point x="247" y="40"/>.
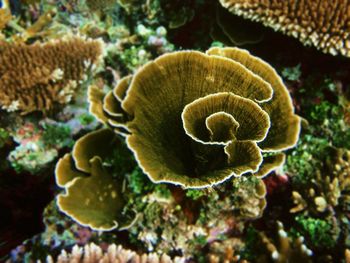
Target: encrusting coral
<point x="250" y="201"/>
<point x="92" y="253"/>
<point x="322" y="23"/>
<point x="101" y="204"/>
<point x="39" y="76"/>
<point x="197" y="119"/>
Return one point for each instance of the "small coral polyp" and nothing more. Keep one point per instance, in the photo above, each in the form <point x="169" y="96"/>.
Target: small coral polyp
<point x="196" y="119"/>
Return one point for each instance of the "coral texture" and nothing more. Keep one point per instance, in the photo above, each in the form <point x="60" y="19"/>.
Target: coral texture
<point x="92" y="253"/>
<point x="99" y="205"/>
<point x="38" y="76"/>
<point x="197" y="119"/>
<point x="100" y="4"/>
<point x="322" y="23"/>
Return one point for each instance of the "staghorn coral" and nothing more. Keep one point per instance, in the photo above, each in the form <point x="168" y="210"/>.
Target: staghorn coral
<point x="197" y="119"/>
<point x="329" y="189"/>
<point x="37" y="28"/>
<point x="39" y="76"/>
<point x="92" y="253"/>
<point x="285" y="249"/>
<point x="324" y="24"/>
<point x="101" y="203"/>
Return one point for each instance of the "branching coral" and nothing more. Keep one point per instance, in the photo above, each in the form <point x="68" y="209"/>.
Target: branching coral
<point x="117" y="254"/>
<point x="93" y="196"/>
<point x="285" y="249"/>
<point x="197" y="119"/>
<point x="38" y="76"/>
<point x="327" y="192"/>
<point x="322" y="23"/>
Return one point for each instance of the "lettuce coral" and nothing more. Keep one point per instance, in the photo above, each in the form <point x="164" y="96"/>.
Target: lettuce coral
<point x="196" y="119"/>
<point x="92" y="197"/>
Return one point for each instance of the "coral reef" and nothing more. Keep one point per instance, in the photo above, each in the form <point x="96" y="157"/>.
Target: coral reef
<point x="196" y="112"/>
<point x="38" y="145"/>
<point x="322" y="23"/>
<point x="183" y="111"/>
<point x="49" y="72"/>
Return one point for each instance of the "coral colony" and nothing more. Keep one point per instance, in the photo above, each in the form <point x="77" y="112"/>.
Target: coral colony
<point x="174" y="131"/>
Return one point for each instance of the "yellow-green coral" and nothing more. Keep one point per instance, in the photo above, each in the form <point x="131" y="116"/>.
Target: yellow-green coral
<point x="93" y="197"/>
<point x="196" y="119"/>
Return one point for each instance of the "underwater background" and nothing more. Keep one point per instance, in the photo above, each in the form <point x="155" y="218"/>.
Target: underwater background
<point x="175" y="131"/>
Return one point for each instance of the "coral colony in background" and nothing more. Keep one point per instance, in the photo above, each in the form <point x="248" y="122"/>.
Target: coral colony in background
<point x="174" y="131"/>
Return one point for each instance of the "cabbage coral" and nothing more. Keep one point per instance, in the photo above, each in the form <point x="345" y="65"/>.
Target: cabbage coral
<point x="92" y="197"/>
<point x="322" y="23"/>
<point x="195" y="119"/>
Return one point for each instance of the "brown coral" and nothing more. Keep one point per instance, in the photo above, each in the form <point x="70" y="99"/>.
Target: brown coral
<point x="322" y="23"/>
<point x="197" y="119"/>
<point x="37" y="77"/>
